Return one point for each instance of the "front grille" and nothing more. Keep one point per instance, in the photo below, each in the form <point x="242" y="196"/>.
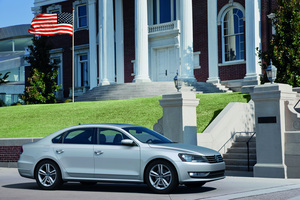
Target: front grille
<point x="214" y="159"/>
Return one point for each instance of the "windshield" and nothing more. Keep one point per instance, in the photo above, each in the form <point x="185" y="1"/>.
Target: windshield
<point x="147" y="136"/>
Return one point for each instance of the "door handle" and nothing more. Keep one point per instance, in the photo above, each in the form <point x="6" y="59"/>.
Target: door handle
<point x="99" y="152"/>
<point x="60" y="151"/>
<point x="166" y="73"/>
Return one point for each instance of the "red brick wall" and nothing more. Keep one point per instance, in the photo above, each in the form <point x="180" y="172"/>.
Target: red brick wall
<point x="200" y="38"/>
<point x="65" y="42"/>
<point x="129" y="39"/>
<point x="10" y="153"/>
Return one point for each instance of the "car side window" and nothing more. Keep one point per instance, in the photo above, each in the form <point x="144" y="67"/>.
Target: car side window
<point x="77" y="136"/>
<point x="110" y="137"/>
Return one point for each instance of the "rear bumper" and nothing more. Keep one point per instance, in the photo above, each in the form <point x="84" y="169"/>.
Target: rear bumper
<point x="25" y="169"/>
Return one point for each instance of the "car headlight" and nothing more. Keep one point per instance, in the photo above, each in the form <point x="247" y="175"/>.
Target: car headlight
<point x="192" y="158"/>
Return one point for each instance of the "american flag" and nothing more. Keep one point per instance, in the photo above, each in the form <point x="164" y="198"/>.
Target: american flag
<point x="52" y="24"/>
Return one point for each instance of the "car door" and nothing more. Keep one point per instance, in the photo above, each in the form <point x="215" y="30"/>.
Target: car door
<point x="75" y="152"/>
<point x="114" y="161"/>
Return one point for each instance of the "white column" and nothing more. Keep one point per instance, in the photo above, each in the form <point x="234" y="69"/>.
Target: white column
<point x="186" y="41"/>
<point x="108" y="42"/>
<point x="141" y="42"/>
<point x="212" y="26"/>
<point x="253" y="40"/>
<point x="119" y="41"/>
<point x="92" y="44"/>
<point x="100" y="39"/>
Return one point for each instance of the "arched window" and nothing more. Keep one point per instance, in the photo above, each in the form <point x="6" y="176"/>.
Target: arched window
<point x="233" y="35"/>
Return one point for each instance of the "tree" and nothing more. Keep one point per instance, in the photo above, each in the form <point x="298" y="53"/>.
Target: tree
<point x="284" y="47"/>
<point x="41" y="81"/>
<point x="3" y="79"/>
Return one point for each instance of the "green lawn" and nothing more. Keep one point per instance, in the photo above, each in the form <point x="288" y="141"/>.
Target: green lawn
<point x="41" y="120"/>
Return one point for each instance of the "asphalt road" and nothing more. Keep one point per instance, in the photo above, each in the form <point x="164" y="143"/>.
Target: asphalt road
<point x="14" y="187"/>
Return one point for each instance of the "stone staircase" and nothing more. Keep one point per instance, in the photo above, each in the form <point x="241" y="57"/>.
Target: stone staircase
<point x="236" y="157"/>
<point x="141" y="90"/>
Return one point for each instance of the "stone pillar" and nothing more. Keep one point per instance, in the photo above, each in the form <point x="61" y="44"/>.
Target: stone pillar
<point x="186" y="42"/>
<point x="253" y="40"/>
<point x="179" y="117"/>
<point x="212" y="26"/>
<point x="92" y="44"/>
<point x="108" y="42"/>
<point x="141" y="42"/>
<point x="269" y="100"/>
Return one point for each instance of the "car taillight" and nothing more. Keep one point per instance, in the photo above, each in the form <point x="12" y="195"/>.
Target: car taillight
<point x="21" y="150"/>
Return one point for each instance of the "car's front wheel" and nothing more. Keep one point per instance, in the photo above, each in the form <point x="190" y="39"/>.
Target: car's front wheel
<point x="161" y="176"/>
<point x="48" y="175"/>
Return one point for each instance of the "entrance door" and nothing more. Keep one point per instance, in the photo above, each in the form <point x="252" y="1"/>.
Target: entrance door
<point x="166" y="65"/>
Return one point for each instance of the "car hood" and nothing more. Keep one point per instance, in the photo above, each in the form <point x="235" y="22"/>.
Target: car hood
<point x="186" y="148"/>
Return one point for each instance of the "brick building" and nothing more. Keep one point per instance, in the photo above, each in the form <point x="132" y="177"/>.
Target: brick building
<point x="118" y="41"/>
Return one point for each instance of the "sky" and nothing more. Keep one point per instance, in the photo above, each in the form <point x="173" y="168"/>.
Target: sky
<point x="15" y="12"/>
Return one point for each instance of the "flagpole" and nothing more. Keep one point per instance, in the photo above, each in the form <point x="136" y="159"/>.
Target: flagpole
<point x="73" y="67"/>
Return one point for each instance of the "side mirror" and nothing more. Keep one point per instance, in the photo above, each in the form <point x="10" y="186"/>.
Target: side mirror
<point x="128" y="142"/>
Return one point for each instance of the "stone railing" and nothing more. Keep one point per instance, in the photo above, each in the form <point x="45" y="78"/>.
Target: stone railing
<point x="174" y="25"/>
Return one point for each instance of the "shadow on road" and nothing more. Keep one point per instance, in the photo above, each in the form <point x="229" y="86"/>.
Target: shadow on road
<point x="109" y="187"/>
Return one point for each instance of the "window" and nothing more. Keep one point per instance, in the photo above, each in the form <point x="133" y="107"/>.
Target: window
<point x="22" y="43"/>
<point x="110" y="137"/>
<point x="77" y="136"/>
<point x="233" y="41"/>
<point x="6" y="45"/>
<point x="81" y="16"/>
<point x="83" y="70"/>
<point x="59" y="78"/>
<point x="15" y="44"/>
<point x="164" y="11"/>
<point x="146" y="135"/>
<point x="16" y="74"/>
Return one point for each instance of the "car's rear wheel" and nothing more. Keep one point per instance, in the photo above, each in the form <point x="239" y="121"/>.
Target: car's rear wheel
<point x="48" y="175"/>
<point x="161" y="176"/>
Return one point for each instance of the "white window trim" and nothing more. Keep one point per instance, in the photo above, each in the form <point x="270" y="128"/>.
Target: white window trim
<point x="58" y="53"/>
<point x="76" y="4"/>
<point x="221" y="16"/>
<point x="80" y="50"/>
<point x="53" y="7"/>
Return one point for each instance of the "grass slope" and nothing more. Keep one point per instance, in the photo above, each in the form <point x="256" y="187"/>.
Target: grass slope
<point x="41" y="120"/>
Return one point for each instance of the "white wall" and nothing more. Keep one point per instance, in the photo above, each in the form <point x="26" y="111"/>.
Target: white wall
<point x="235" y="117"/>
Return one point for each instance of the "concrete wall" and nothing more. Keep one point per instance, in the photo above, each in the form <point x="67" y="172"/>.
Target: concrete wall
<point x="235" y="117"/>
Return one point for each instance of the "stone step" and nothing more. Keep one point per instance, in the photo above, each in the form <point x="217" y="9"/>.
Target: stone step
<point x="238" y="168"/>
<point x="241" y="150"/>
<point x="239" y="156"/>
<point x="141" y="90"/>
<point x="244" y="144"/>
<point x="239" y="162"/>
<point x="245" y="138"/>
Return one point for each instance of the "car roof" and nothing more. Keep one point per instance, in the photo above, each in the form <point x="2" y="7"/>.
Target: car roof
<point x="119" y="125"/>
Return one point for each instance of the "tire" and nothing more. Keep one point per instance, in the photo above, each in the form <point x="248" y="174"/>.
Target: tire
<point x="48" y="175"/>
<point x="194" y="185"/>
<point x="161" y="177"/>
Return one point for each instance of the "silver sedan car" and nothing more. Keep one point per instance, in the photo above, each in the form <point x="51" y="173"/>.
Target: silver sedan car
<point x="118" y="153"/>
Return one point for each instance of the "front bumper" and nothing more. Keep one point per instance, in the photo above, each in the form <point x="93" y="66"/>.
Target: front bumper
<point x="200" y="172"/>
